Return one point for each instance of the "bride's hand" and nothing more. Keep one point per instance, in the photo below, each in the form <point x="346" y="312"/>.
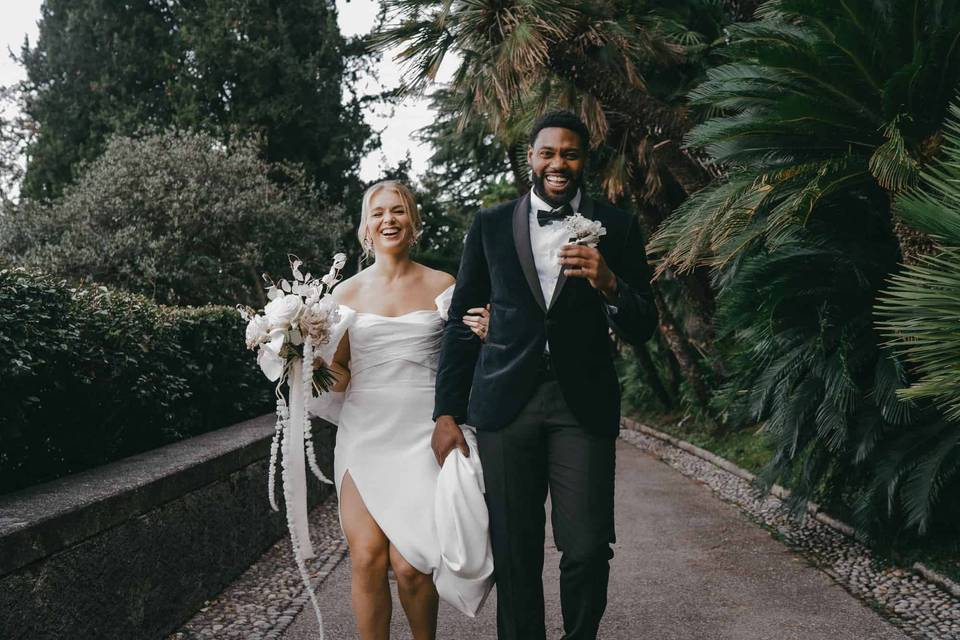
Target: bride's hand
<point x="478" y="319"/>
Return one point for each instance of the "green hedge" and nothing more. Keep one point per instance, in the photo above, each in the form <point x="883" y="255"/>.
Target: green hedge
<point x="89" y="375"/>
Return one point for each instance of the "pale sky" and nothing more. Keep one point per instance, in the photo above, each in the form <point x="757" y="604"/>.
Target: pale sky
<point x="355" y="17"/>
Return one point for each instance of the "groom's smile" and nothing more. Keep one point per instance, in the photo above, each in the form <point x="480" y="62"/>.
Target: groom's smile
<point x="556" y="159"/>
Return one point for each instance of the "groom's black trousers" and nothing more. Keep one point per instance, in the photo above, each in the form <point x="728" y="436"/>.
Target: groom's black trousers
<point x="545" y="447"/>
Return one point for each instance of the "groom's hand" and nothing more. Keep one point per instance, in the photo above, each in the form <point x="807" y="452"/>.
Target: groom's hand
<point x="586" y="262"/>
<point x="447" y="435"/>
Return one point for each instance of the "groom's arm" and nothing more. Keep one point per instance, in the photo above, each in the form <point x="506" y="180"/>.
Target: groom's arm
<point x="631" y="311"/>
<point x="626" y="293"/>
<point x="458" y="354"/>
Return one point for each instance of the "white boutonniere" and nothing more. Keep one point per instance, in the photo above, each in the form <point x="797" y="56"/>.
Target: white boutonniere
<point x="584" y="231"/>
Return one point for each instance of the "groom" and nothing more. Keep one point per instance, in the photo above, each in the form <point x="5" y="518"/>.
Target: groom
<point x="541" y="390"/>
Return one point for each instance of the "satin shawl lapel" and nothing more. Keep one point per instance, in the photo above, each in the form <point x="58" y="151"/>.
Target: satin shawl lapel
<point x="521" y="239"/>
<point x="586" y="210"/>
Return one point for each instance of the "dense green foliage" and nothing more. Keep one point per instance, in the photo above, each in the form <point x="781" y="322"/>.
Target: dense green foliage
<point x="234" y="69"/>
<point x="819" y="126"/>
<point x="816" y="101"/>
<point x="92" y="374"/>
<point x="178" y="218"/>
<point x="921" y="307"/>
<point x="918" y="315"/>
<point x="819" y="130"/>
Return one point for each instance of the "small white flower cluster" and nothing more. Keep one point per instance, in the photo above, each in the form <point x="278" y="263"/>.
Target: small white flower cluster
<point x="295" y="311"/>
<point x="584" y="231"/>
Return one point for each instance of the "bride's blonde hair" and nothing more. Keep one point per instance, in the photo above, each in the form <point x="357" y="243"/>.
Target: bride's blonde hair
<point x="409" y="204"/>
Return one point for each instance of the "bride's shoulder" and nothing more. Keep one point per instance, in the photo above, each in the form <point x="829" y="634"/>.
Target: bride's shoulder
<point x="436" y="280"/>
<point x="346" y="292"/>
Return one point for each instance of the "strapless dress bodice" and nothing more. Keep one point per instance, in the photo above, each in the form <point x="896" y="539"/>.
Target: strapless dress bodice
<point x="383" y="348"/>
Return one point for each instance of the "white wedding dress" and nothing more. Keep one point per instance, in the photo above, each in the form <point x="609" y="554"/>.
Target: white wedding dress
<point x="436" y="518"/>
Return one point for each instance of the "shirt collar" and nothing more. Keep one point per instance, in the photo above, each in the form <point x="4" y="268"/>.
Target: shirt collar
<point x="537" y="203"/>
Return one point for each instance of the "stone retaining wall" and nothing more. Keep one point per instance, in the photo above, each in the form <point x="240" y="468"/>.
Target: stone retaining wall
<point x="132" y="549"/>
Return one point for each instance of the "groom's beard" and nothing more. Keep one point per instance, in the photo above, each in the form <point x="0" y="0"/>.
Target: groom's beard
<point x="574" y="185"/>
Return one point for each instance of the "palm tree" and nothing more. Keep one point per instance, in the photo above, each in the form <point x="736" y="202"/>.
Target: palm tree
<point x="918" y="315"/>
<point x="919" y="311"/>
<point x="822" y="113"/>
<point x="817" y="99"/>
<point x="623" y="67"/>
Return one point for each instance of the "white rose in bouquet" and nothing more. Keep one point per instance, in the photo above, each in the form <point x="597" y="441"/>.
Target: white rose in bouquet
<point x="282" y="311"/>
<point x="258" y="331"/>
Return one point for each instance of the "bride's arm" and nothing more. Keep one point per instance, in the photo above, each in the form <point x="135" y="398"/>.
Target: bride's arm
<point x="340" y="365"/>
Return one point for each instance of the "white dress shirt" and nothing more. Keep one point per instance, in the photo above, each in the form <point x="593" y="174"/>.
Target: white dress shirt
<point x="545" y="242"/>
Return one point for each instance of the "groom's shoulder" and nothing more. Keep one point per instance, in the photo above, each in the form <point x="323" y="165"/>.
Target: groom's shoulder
<point x="500" y="209"/>
<point x="612" y="217"/>
<point x="491" y="218"/>
<point x="612" y="213"/>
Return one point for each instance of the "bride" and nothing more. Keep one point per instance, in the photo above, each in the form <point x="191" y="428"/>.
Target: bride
<point x="384" y="356"/>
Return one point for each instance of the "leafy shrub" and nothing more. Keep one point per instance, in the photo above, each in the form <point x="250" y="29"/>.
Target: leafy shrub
<point x="177" y="217"/>
<point x="91" y="374"/>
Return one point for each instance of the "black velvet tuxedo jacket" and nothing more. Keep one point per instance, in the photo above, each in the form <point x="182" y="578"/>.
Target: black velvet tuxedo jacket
<point x="486" y="384"/>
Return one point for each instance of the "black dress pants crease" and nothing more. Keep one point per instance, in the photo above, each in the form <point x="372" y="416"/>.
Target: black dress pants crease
<point x="545" y="448"/>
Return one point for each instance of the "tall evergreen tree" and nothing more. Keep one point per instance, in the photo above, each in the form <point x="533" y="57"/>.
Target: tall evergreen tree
<point x="233" y="68"/>
<point x="98" y="67"/>
<point x="275" y="68"/>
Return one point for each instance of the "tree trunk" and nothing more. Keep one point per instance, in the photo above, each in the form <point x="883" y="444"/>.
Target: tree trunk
<point x="674" y="376"/>
<point x="695" y="285"/>
<point x="680" y="346"/>
<point x="913" y="243"/>
<point x="521" y="180"/>
<point x="689" y="174"/>
<point x="652" y="377"/>
<point x="257" y="285"/>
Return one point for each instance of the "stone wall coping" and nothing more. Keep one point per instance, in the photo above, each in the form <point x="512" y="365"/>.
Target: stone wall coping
<point x="39" y="521"/>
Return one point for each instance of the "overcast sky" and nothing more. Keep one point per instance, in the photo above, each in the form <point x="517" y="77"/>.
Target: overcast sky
<point x="356" y="17"/>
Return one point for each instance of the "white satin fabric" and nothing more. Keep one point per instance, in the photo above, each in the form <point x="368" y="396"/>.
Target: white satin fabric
<point x="436" y="518"/>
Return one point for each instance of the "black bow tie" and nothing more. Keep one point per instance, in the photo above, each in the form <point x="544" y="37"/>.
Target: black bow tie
<point x="549" y="217"/>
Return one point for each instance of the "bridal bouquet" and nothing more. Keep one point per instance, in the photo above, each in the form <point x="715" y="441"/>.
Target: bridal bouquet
<point x="298" y="318"/>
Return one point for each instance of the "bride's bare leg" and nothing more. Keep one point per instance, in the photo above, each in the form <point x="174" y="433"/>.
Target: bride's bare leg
<point x="418" y="595"/>
<point x="369" y="555"/>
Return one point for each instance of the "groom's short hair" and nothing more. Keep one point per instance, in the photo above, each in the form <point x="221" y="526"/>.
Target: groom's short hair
<point x="564" y="120"/>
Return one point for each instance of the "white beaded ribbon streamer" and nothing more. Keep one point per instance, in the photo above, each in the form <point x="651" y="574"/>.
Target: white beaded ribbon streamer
<point x="293" y="433"/>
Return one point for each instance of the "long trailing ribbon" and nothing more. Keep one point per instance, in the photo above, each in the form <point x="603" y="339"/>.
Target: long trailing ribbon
<point x="293" y="427"/>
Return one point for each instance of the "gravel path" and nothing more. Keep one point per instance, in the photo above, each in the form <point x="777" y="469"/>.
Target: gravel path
<point x="916" y="606"/>
<point x="263" y="601"/>
<point x="687" y="567"/>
